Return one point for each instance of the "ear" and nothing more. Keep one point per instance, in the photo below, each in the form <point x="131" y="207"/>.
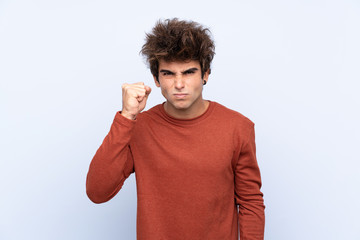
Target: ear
<point x="156" y="81"/>
<point x="206" y="75"/>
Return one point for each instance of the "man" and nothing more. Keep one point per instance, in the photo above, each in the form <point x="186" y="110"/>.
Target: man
<point x="195" y="164"/>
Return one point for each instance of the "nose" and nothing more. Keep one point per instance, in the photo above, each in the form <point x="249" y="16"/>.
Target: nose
<point x="179" y="82"/>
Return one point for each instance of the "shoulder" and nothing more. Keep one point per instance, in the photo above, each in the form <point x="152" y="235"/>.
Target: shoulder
<point x="232" y="117"/>
<point x="234" y="123"/>
<point x="241" y="127"/>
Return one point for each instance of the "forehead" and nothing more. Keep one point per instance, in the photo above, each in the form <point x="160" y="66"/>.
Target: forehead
<point x="178" y="65"/>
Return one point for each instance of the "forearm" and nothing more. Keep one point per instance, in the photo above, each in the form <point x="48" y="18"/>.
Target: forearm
<point x="112" y="163"/>
<point x="252" y="219"/>
<point x="248" y="195"/>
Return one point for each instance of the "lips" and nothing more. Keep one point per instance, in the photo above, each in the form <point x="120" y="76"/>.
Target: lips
<point x="180" y="95"/>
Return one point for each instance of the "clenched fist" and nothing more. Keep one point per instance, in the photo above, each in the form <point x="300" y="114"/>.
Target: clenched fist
<point x="134" y="97"/>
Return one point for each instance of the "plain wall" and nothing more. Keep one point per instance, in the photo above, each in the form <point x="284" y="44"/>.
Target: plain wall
<point x="293" y="67"/>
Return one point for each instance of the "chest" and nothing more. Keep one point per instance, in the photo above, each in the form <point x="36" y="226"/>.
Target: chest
<point x="204" y="150"/>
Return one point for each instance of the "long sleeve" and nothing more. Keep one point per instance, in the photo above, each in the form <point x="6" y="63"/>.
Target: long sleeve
<point x="247" y="192"/>
<point x="112" y="163"/>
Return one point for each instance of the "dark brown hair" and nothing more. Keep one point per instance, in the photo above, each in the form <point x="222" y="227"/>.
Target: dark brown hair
<point x="175" y="40"/>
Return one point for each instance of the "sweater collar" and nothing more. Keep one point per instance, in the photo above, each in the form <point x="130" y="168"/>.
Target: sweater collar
<point x="189" y="121"/>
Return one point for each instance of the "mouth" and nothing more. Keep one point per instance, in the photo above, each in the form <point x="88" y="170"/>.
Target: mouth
<point x="180" y="95"/>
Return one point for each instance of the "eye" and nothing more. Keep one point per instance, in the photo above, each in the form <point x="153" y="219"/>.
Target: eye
<point x="189" y="72"/>
<point x="167" y="73"/>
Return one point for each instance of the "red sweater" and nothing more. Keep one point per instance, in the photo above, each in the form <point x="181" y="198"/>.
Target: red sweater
<point x="191" y="174"/>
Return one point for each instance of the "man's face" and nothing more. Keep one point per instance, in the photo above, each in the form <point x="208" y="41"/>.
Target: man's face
<point x="181" y="84"/>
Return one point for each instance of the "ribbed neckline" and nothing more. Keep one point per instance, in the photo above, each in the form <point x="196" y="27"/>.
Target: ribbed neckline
<point x="189" y="121"/>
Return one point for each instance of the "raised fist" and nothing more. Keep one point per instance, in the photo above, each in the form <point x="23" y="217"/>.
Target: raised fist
<point x="134" y="97"/>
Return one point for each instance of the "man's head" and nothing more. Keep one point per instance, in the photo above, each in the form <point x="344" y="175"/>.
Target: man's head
<point x="175" y="40"/>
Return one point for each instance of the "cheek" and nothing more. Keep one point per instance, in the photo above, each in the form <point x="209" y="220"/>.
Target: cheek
<point x="198" y="86"/>
<point x="164" y="90"/>
<point x="162" y="87"/>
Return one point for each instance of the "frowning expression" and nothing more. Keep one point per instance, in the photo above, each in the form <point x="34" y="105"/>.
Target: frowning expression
<point x="181" y="84"/>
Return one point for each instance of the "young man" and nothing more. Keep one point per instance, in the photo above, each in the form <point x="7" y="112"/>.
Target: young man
<point x="195" y="164"/>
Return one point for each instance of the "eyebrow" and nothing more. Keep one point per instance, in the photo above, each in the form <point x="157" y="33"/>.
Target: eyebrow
<point x="194" y="69"/>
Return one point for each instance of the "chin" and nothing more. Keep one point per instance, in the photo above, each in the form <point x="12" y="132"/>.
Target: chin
<point x="180" y="105"/>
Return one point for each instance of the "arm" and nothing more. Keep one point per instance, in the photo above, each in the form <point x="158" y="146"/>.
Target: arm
<point x="112" y="163"/>
<point x="247" y="192"/>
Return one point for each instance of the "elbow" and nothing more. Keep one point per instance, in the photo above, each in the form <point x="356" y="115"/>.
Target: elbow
<point x="100" y="191"/>
<point x="100" y="194"/>
<point x="95" y="196"/>
<point x="95" y="193"/>
<point x="94" y="189"/>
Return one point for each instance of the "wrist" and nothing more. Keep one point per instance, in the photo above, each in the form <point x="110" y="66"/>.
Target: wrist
<point x="128" y="115"/>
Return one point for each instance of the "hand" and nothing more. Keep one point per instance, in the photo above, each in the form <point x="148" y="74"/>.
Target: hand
<point x="134" y="97"/>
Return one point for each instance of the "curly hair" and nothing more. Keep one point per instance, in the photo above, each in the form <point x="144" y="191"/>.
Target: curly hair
<point x="175" y="40"/>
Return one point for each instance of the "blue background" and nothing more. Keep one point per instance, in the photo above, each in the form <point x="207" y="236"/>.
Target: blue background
<point x="290" y="66"/>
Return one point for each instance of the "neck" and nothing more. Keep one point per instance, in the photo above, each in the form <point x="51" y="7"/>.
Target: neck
<point x="187" y="113"/>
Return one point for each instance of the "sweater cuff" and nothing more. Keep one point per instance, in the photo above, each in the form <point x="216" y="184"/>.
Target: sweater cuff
<point x="120" y="119"/>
